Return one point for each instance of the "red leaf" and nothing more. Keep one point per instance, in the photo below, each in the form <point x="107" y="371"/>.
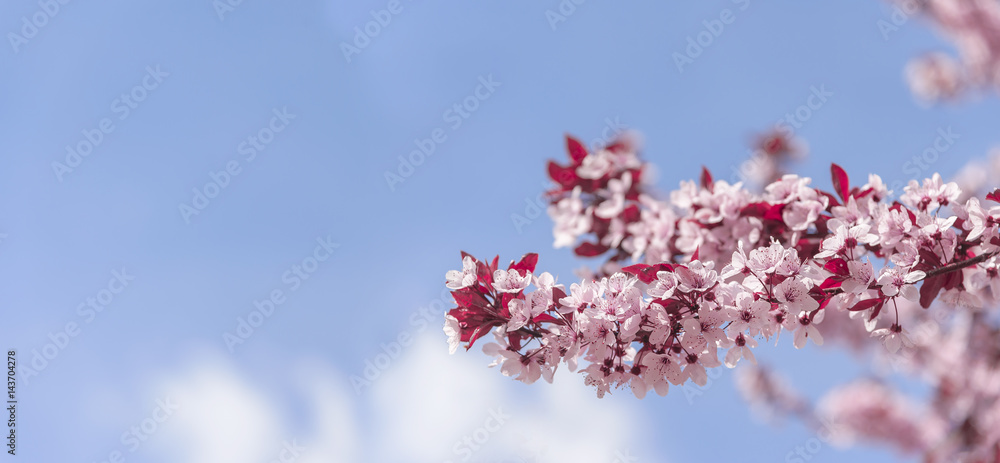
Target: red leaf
<point x="952" y="280"/>
<point x="929" y="257"/>
<point x="479" y="332"/>
<point x="833" y="199"/>
<point x="706" y="179"/>
<point x="577" y="150"/>
<point x="505" y="303"/>
<point x="840" y="182"/>
<point x="695" y="255"/>
<point x="564" y="176"/>
<point x="469" y="297"/>
<point x="929" y="290"/>
<point x="865" y="304"/>
<point x="636" y="269"/>
<point x="774" y="213"/>
<point x="641" y="271"/>
<point x="755" y="209"/>
<point x="994" y="196"/>
<point x="545" y="318"/>
<point x="647" y="273"/>
<point x="514" y="339"/>
<point x="837" y="266"/>
<point x="877" y="309"/>
<point x="587" y="249"/>
<point x="832" y="282"/>
<point x="557" y="294"/>
<point x="631" y="214"/>
<point x="527" y="263"/>
<point x="484" y="274"/>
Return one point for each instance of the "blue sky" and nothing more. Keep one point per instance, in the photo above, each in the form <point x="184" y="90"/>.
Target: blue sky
<point x="323" y="176"/>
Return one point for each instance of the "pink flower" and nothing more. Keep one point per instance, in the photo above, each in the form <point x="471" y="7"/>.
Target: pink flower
<point x="893" y="281"/>
<point x="697" y="276"/>
<point x="845" y="239"/>
<point x="615" y="203"/>
<point x="740" y="350"/>
<point x="807" y="330"/>
<point x="893" y="337"/>
<point x="794" y="295"/>
<point x="766" y="259"/>
<point x="979" y="219"/>
<point x="523" y="311"/>
<point x="452" y="330"/>
<point x="571" y="219"/>
<point x="510" y="281"/>
<point x="460" y="279"/>
<point x="665" y="285"/>
<point x="861" y="276"/>
<point x="750" y="315"/>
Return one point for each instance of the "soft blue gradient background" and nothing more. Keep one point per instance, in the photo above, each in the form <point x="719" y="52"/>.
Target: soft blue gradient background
<point x="324" y="176"/>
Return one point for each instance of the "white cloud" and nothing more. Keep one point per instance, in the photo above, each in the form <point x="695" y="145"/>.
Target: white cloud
<point x="428" y="402"/>
<point x="222" y="418"/>
<point x="426" y="407"/>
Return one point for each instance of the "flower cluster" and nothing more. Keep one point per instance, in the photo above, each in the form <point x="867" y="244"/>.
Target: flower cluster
<point x="974" y="27"/>
<point x="717" y="268"/>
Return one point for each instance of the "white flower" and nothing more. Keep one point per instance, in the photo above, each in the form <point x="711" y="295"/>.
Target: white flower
<point x="452" y="330"/>
<point x="795" y="296"/>
<point x="979" y="219"/>
<point x="697" y="276"/>
<point x="807" y="330"/>
<point x="666" y="282"/>
<point x="523" y="311"/>
<point x="737" y="265"/>
<point x="615" y="204"/>
<point x="862" y="275"/>
<point x="893" y="281"/>
<point x="766" y="260"/>
<point x="741" y="350"/>
<point x="844" y="238"/>
<point x="510" y="281"/>
<point x="893" y="337"/>
<point x="571" y="219"/>
<point x="460" y="279"/>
